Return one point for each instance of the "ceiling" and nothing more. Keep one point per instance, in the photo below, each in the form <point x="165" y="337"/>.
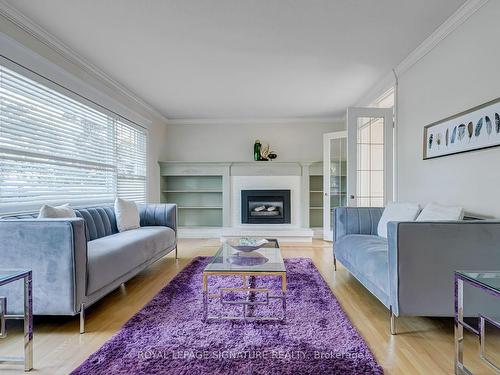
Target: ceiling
<point x="240" y="59"/>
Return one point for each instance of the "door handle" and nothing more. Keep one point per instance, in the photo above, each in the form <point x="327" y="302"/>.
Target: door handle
<point x="351" y="197"/>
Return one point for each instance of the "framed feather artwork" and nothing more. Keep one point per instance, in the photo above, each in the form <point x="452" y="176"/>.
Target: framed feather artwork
<point x="474" y="129"/>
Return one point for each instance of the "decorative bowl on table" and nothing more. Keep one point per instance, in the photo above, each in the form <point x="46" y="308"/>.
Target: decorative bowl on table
<point x="247" y="244"/>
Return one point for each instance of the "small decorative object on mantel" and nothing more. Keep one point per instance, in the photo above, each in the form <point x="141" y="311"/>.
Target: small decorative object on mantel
<point x="256" y="150"/>
<point x="474" y="129"/>
<point x="262" y="152"/>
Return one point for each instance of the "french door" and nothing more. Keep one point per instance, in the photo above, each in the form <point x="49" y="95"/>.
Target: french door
<point x="369" y="156"/>
<point x="358" y="163"/>
<point x="334" y="177"/>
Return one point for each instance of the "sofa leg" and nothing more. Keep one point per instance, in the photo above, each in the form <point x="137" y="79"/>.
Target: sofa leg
<point x="176" y="257"/>
<point x="82" y="318"/>
<point x="393" y="321"/>
<point x="334" y="262"/>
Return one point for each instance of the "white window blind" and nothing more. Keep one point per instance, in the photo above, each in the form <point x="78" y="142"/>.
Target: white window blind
<point x="131" y="162"/>
<point x="54" y="149"/>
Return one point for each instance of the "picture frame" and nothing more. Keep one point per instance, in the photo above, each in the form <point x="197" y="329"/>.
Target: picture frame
<point x="474" y="129"/>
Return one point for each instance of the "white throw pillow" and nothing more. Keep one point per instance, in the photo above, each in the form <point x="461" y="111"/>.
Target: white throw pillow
<point x="397" y="212"/>
<point x="436" y="212"/>
<point x="57" y="212"/>
<point x="127" y="215"/>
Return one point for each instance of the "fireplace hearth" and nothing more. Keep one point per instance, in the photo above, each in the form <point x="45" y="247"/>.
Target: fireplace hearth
<point x="265" y="207"/>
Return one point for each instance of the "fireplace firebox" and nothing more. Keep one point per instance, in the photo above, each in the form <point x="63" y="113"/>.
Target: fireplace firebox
<point x="265" y="207"/>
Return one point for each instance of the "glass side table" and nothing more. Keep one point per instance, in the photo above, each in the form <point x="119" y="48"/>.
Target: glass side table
<point x="6" y="277"/>
<point x="489" y="282"/>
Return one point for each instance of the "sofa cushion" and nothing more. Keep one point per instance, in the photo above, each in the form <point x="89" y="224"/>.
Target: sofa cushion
<point x="127" y="215"/>
<point x="397" y="212"/>
<point x="101" y="221"/>
<point x="113" y="256"/>
<point x="367" y="255"/>
<point x="56" y="212"/>
<point x="436" y="212"/>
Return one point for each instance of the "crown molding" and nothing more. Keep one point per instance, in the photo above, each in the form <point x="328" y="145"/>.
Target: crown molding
<point x="446" y="28"/>
<point x="257" y="121"/>
<point x="13" y="15"/>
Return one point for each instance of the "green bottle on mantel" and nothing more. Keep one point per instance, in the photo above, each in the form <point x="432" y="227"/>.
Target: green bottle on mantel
<point x="256" y="150"/>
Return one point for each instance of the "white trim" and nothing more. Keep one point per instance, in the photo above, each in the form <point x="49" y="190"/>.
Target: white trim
<point x="17" y="18"/>
<point x="451" y="24"/>
<point x="255" y="121"/>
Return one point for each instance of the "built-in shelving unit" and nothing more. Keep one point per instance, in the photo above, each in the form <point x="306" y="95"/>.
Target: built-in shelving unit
<point x="338" y="192"/>
<point x="198" y="191"/>
<point x="198" y="198"/>
<point x="316" y="199"/>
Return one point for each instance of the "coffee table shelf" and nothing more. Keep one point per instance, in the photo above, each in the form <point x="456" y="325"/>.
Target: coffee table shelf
<point x="223" y="265"/>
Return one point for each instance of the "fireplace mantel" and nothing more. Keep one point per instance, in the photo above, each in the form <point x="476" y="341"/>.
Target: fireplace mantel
<point x="266" y="168"/>
<point x="245" y="168"/>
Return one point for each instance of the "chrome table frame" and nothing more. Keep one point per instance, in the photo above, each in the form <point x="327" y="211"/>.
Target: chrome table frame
<point x="460" y="368"/>
<point x="27" y="360"/>
<point x="248" y="286"/>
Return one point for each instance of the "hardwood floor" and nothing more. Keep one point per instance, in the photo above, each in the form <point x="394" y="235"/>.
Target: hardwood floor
<point x="422" y="346"/>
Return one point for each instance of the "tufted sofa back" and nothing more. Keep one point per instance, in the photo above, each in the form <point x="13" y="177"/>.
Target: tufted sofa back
<point x="100" y="221"/>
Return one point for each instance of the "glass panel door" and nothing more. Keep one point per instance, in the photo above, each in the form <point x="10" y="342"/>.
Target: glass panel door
<point x="334" y="177"/>
<point x="370" y="156"/>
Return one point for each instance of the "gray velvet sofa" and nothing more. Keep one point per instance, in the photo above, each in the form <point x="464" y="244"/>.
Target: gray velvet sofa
<point x="412" y="271"/>
<point x="78" y="261"/>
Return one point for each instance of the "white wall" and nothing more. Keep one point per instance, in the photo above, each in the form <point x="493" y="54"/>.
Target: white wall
<point x="234" y="142"/>
<point x="21" y="47"/>
<point x="461" y="72"/>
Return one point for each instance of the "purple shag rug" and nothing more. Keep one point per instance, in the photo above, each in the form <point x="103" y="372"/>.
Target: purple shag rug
<point x="168" y="335"/>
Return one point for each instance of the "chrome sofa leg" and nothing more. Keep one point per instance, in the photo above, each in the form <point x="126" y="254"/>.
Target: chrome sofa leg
<point x="393" y="321"/>
<point x="82" y="318"/>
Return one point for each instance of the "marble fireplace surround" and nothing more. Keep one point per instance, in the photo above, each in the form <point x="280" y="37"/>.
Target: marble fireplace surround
<point x="271" y="176"/>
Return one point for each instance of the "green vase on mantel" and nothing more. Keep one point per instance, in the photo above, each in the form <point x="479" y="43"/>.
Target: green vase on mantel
<point x="256" y="150"/>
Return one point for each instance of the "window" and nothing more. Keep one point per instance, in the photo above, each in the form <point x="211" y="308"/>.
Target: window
<point x="54" y="149"/>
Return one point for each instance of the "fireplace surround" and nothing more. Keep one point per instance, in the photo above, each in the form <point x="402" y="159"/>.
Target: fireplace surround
<point x="265" y="207"/>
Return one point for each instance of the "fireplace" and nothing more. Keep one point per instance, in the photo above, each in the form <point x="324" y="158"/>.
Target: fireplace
<point x="265" y="206"/>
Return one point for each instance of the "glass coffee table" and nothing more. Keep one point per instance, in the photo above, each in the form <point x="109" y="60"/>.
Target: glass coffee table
<point x="243" y="268"/>
<point x="489" y="282"/>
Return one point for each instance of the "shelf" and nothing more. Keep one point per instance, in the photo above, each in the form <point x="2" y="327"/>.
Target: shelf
<point x="192" y="191"/>
<point x="315" y="208"/>
<point x="199" y="198"/>
<point x="192" y="183"/>
<point x="199" y="208"/>
<point x="316" y="191"/>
